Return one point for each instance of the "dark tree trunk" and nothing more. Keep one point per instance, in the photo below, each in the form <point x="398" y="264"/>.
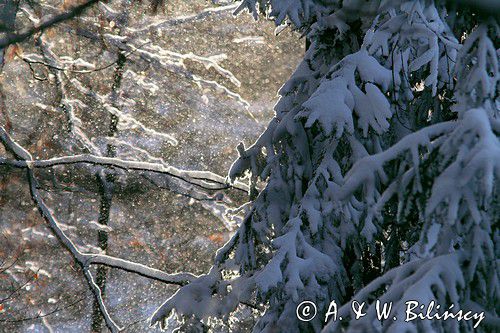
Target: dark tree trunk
<point x="106" y="181"/>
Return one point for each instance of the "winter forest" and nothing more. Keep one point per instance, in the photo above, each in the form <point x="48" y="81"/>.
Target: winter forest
<point x="249" y="166"/>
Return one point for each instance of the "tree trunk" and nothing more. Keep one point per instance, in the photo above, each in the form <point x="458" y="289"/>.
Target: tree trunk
<point x="106" y="181"/>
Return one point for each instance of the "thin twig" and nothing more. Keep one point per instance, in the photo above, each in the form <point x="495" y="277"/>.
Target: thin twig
<point x="13" y="38"/>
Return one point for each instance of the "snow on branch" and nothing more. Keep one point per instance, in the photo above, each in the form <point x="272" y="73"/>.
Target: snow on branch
<point x="364" y="170"/>
<point x="204" y="179"/>
<point x="381" y="169"/>
<point x="126" y="121"/>
<point x="298" y="12"/>
<point x="172" y="22"/>
<point x="110" y="323"/>
<point x="423" y="281"/>
<point x="136" y="268"/>
<point x="83" y="259"/>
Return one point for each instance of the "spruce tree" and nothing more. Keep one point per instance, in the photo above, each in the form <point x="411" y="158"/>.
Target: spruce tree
<point x="377" y="179"/>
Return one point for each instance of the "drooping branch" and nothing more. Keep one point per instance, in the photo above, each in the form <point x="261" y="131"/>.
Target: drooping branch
<point x="84" y="259"/>
<point x="22" y="154"/>
<point x="358" y="175"/>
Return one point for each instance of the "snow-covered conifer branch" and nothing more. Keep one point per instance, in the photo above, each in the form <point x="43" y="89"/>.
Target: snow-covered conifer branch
<point x="381" y="168"/>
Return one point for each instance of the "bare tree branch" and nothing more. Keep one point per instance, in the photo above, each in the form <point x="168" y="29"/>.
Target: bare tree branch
<point x="183" y="19"/>
<point x="83" y="259"/>
<point x="140" y="269"/>
<point x="13" y="38"/>
<point x="204" y="179"/>
<point x="98" y="297"/>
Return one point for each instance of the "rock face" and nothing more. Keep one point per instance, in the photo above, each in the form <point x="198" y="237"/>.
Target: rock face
<point x="181" y="87"/>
